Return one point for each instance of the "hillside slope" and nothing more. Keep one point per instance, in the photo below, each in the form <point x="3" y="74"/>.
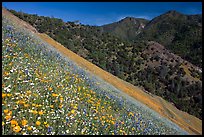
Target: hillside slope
<point x="154" y="103"/>
<point x="161" y="73"/>
<point x="44" y="92"/>
<point x="182" y="34"/>
<point x="171" y="78"/>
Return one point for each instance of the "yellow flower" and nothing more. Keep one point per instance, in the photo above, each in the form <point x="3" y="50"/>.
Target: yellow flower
<point x="28" y="92"/>
<point x="130" y="114"/>
<point x="26" y="55"/>
<point x="54" y="95"/>
<point x="8" y="95"/>
<point x="26" y="105"/>
<point x="79" y="88"/>
<point x="8" y="117"/>
<point x="10" y="64"/>
<point x="46" y="125"/>
<point x="38" y="123"/>
<point x="17" y="102"/>
<point x="3" y="123"/>
<point x="72" y="111"/>
<point x="3" y="95"/>
<point x="36" y="95"/>
<point x="13" y="125"/>
<point x="6" y="73"/>
<point x="29" y="128"/>
<point x="75" y="107"/>
<point x="51" y="106"/>
<point x="60" y="106"/>
<point x="21" y="102"/>
<point x="24" y="122"/>
<point x="34" y="111"/>
<point x="133" y="128"/>
<point x="9" y="113"/>
<point x="6" y="111"/>
<point x="40" y="112"/>
<point x="17" y="129"/>
<point x="112" y="122"/>
<point x="14" y="122"/>
<point x="95" y="118"/>
<point x="50" y="88"/>
<point x="61" y="98"/>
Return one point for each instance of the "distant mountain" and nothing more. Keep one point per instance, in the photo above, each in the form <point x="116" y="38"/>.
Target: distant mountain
<point x="127" y="28"/>
<point x="182" y="34"/>
<point x="179" y="33"/>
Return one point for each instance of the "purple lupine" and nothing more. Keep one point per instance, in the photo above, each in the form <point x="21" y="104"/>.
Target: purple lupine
<point x="67" y="120"/>
<point x="8" y="27"/>
<point x="116" y="124"/>
<point x="26" y="71"/>
<point x="49" y="129"/>
<point x="115" y="132"/>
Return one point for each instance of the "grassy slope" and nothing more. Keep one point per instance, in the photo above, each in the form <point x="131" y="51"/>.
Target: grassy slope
<point x="126" y="61"/>
<point x="153" y="102"/>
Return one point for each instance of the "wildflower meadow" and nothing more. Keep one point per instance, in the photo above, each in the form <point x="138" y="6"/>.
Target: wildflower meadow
<point x="44" y="93"/>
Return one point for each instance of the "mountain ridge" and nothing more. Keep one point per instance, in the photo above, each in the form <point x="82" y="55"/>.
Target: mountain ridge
<point x="126" y="28"/>
<point x="171" y="29"/>
<point x="174" y="30"/>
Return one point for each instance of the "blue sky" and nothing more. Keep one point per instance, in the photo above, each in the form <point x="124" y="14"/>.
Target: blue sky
<point x="99" y="13"/>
